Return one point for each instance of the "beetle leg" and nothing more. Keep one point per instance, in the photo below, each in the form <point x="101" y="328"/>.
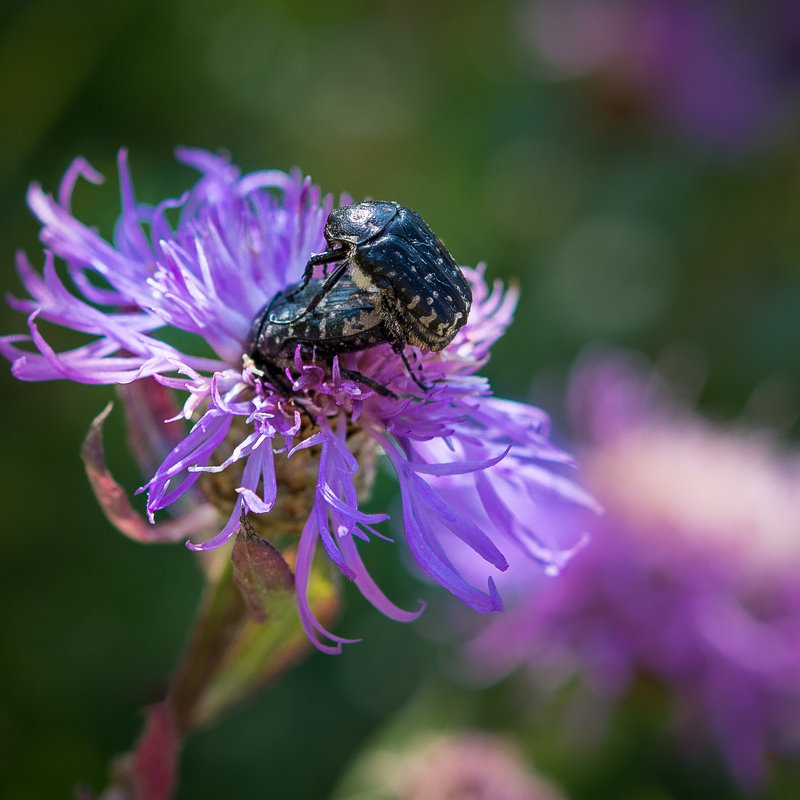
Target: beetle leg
<point x="330" y="282"/>
<point x="276" y="377"/>
<point x="411" y="372"/>
<point x="329" y="256"/>
<point x="353" y="375"/>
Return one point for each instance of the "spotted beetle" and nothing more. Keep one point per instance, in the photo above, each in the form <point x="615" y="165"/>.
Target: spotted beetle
<point x="422" y="295"/>
<point x="344" y="320"/>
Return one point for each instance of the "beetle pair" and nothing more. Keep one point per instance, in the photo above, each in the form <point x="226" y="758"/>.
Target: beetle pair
<point x="395" y="283"/>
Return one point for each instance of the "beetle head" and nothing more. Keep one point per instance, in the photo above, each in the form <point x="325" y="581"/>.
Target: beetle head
<point x="359" y="222"/>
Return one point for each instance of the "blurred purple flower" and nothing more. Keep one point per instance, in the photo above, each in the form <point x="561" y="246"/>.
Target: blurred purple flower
<point x="727" y="74"/>
<point x="690" y="577"/>
<point x="238" y="241"/>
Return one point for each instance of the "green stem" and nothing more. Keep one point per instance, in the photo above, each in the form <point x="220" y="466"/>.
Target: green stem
<point x="247" y="632"/>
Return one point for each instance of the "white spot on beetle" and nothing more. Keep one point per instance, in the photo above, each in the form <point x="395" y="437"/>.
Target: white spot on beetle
<point x="361" y="279"/>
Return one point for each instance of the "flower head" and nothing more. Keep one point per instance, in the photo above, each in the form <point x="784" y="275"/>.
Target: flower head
<point x="690" y="577"/>
<point x="460" y="454"/>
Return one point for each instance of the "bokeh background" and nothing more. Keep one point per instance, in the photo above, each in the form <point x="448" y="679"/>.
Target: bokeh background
<point x="635" y="167"/>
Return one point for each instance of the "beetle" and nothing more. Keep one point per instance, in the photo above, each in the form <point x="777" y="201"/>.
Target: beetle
<point x="344" y="320"/>
<point x="422" y="294"/>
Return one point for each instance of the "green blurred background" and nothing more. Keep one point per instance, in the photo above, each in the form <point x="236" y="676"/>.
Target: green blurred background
<point x="618" y="228"/>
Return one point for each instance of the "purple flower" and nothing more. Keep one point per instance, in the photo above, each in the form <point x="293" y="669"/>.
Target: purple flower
<point x="459" y="453"/>
<point x="725" y="74"/>
<point x="690" y="577"/>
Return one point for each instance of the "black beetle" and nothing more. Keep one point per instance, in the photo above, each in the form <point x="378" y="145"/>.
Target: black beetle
<point x="344" y="320"/>
<point x="422" y="295"/>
